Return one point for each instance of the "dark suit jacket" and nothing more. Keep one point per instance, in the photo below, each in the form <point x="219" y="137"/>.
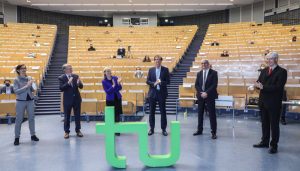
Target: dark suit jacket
<point x="211" y="84"/>
<point x="164" y="78"/>
<point x="273" y="86"/>
<point x="121" y="51"/>
<point x="71" y="94"/>
<point x="3" y="90"/>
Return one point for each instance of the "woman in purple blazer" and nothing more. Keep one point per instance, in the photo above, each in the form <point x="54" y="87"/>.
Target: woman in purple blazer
<point x="112" y="86"/>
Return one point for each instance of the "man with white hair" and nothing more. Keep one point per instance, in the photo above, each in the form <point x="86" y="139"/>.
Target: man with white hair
<point x="271" y="83"/>
<point x="206" y="86"/>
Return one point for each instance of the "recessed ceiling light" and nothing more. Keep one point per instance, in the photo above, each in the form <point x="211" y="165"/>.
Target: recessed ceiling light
<point x="28" y="1"/>
<point x="231" y="0"/>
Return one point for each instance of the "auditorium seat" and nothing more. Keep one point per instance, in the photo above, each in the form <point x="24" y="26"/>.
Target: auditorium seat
<point x="240" y="69"/>
<point x="16" y="43"/>
<point x="143" y="41"/>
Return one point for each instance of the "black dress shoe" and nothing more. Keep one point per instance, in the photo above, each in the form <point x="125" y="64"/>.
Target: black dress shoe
<point x="151" y="132"/>
<point x="273" y="150"/>
<point x="197" y="133"/>
<point x="117" y="134"/>
<point x="164" y="133"/>
<point x="79" y="134"/>
<point x="261" y="145"/>
<point x="214" y="136"/>
<point x="283" y="122"/>
<point x="17" y="141"/>
<point x="34" y="138"/>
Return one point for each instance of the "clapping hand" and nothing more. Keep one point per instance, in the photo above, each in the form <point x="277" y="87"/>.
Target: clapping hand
<point x="113" y="83"/>
<point x="78" y="80"/>
<point x="29" y="83"/>
<point x="119" y="80"/>
<point x="258" y="85"/>
<point x="70" y="80"/>
<point x="157" y="82"/>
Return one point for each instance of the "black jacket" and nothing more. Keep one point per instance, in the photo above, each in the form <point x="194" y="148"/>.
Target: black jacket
<point x="3" y="89"/>
<point x="71" y="93"/>
<point x="164" y="78"/>
<point x="273" y="86"/>
<point x="121" y="51"/>
<point x="211" y="84"/>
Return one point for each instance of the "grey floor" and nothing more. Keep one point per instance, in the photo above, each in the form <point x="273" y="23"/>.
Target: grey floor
<point x="54" y="153"/>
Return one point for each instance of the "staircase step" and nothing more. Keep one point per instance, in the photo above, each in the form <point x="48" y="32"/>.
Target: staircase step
<point x="52" y="103"/>
<point x="46" y="94"/>
<point x="47" y="106"/>
<point x="47" y="109"/>
<point x="44" y="100"/>
<point x="50" y="88"/>
<point x="49" y="99"/>
<point x="48" y="113"/>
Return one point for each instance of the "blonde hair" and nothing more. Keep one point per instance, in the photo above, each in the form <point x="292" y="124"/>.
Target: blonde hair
<point x="105" y="70"/>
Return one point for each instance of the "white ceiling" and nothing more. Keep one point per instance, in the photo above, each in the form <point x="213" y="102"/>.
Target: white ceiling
<point x="106" y="8"/>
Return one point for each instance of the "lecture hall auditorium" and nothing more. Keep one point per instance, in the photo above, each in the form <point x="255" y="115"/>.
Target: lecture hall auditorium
<point x="149" y="85"/>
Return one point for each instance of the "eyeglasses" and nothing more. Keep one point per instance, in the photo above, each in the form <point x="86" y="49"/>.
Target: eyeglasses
<point x="268" y="59"/>
<point x="23" y="68"/>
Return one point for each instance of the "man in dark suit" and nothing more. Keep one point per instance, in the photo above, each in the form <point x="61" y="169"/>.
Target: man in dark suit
<point x="271" y="83"/>
<point x="206" y="86"/>
<point x="7" y="88"/>
<point x="69" y="84"/>
<point x="158" y="79"/>
<point x="121" y="52"/>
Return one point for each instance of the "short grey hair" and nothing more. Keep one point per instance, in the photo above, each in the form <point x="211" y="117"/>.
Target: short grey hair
<point x="273" y="55"/>
<point x="204" y="61"/>
<point x="65" y="66"/>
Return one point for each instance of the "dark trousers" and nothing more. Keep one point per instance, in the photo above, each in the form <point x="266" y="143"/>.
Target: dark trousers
<point x="270" y="117"/>
<point x="67" y="111"/>
<point x="117" y="103"/>
<point x="210" y="106"/>
<point x="283" y="112"/>
<point x="162" y="108"/>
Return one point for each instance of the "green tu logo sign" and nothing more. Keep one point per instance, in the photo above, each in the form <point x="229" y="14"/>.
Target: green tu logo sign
<point x="109" y="128"/>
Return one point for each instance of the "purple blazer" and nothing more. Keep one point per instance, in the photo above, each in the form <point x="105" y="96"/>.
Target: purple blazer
<point x="109" y="90"/>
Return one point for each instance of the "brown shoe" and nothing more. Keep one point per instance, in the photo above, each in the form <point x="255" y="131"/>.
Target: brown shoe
<point x="79" y="134"/>
<point x="67" y="136"/>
